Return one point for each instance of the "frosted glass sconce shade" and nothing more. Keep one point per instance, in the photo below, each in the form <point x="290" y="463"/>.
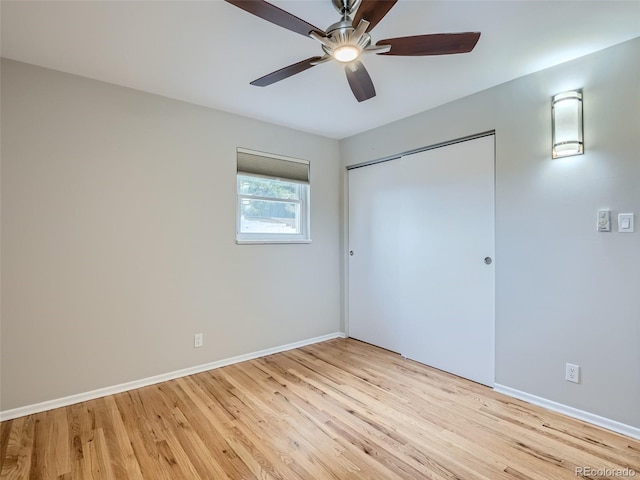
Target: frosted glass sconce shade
<point x="566" y="124"/>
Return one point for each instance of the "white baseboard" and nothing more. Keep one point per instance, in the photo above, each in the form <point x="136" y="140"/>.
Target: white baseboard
<point x="603" y="422"/>
<point x="123" y="387"/>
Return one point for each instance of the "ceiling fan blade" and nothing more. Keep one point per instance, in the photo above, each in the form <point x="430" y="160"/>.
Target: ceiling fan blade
<point x="373" y="11"/>
<point x="286" y="72"/>
<point x="432" y="44"/>
<point x="276" y="15"/>
<point x="359" y="81"/>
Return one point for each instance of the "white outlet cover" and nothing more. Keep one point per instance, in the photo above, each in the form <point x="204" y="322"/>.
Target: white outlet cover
<point x="572" y="373"/>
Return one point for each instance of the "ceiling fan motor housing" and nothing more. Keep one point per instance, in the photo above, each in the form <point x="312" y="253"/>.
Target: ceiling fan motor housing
<point x="343" y="33"/>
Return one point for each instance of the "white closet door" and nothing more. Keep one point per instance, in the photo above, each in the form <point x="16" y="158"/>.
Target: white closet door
<point x="420" y="228"/>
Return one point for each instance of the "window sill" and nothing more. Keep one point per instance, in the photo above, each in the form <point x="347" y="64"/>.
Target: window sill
<point x="267" y="242"/>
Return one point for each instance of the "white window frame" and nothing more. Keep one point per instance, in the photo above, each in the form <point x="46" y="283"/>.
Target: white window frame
<point x="303" y="207"/>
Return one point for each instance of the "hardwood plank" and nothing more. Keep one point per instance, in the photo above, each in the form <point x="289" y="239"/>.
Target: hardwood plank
<point x="75" y="435"/>
<point x="96" y="459"/>
<point x="10" y="463"/>
<point x="336" y="410"/>
<point x="5" y="434"/>
<point x="60" y="441"/>
<point x="41" y="465"/>
<point x="122" y="449"/>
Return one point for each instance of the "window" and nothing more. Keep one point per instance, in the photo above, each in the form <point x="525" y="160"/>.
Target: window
<point x="273" y="199"/>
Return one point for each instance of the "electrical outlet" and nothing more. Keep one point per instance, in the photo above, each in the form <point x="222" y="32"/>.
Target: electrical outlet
<point x="198" y="340"/>
<point x="572" y="373"/>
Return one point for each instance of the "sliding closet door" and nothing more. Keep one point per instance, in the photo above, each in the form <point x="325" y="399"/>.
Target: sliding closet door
<point x="421" y="273"/>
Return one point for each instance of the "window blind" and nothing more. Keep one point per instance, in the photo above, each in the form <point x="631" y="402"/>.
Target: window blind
<point x="267" y="165"/>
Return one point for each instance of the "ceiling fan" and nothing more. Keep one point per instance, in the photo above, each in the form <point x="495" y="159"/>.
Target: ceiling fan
<point x="348" y="39"/>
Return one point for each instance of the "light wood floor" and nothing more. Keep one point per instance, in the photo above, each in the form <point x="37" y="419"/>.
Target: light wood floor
<point x="341" y="409"/>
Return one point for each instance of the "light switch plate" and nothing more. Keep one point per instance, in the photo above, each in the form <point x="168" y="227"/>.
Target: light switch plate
<point x="625" y="223"/>
<point x="604" y="220"/>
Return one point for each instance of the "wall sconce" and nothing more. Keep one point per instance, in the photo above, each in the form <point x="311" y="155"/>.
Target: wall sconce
<point x="566" y="124"/>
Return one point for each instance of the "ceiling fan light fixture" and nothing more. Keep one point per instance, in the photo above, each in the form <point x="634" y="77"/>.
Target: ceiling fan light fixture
<point x="346" y="53"/>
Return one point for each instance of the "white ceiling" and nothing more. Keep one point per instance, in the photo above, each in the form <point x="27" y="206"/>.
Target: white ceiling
<point x="207" y="52"/>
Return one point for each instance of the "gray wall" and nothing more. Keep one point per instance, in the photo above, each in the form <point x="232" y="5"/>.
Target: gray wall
<point x="564" y="293"/>
<point x="118" y="238"/>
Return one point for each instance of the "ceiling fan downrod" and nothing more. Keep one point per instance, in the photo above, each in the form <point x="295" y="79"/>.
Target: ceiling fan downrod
<point x="346" y="8"/>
